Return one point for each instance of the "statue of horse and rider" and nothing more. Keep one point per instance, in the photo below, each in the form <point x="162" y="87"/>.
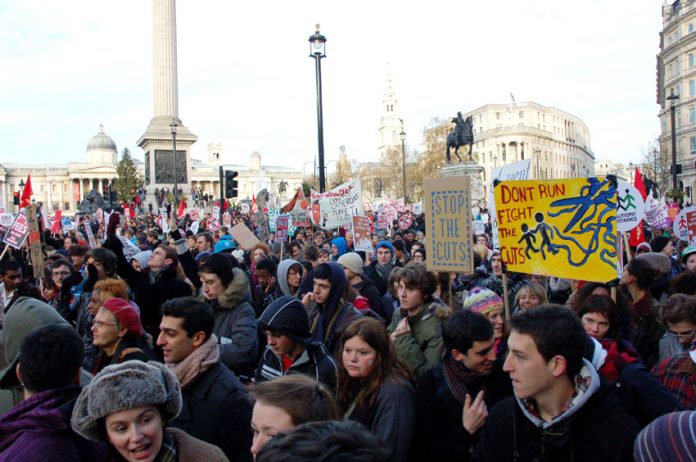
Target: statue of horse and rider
<point x="462" y="135"/>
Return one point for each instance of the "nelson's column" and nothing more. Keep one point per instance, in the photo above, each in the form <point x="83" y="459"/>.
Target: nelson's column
<point x="157" y="142"/>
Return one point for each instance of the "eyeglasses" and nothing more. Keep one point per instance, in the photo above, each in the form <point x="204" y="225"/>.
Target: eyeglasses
<point x="61" y="273"/>
<point x="101" y="324"/>
<point x="686" y="334"/>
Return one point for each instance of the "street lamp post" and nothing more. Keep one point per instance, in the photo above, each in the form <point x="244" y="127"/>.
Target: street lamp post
<point x="672" y="98"/>
<point x="317" y="50"/>
<point x="402" y="135"/>
<point x="173" y="126"/>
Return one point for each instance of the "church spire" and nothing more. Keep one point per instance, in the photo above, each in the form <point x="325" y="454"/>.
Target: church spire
<point x="390" y="123"/>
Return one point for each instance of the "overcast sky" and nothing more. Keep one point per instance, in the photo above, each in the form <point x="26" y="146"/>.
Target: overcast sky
<point x="246" y="80"/>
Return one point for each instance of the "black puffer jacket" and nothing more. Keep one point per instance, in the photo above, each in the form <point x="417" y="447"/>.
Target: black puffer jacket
<point x="235" y="326"/>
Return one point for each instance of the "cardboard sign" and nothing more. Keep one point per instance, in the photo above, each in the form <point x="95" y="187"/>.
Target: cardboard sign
<point x="18" y="231"/>
<point x="335" y="208"/>
<point x="36" y="255"/>
<point x="447" y="203"/>
<point x="281" y="228"/>
<point x="681" y="226"/>
<point x="244" y="236"/>
<point x="362" y="238"/>
<point x="630" y="207"/>
<point x="564" y="228"/>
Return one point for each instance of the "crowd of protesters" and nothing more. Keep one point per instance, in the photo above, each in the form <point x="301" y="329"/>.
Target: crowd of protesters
<point x="183" y="346"/>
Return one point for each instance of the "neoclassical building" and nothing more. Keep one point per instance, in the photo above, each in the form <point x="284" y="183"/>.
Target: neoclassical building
<point x="556" y="142"/>
<point x="676" y="74"/>
<point x="63" y="186"/>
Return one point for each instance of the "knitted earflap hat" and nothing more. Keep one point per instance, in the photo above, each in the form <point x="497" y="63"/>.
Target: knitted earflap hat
<point x="124" y="386"/>
<point x="483" y="301"/>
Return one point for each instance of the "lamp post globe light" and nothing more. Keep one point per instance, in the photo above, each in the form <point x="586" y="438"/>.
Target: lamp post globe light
<point x="402" y="136"/>
<point x="317" y="50"/>
<point x="173" y="126"/>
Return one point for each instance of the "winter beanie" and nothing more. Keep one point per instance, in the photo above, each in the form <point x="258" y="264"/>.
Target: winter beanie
<point x="659" y="243"/>
<point x="287" y="315"/>
<point x="386" y="244"/>
<point x="669" y="437"/>
<point x="125" y="314"/>
<point x="352" y="261"/>
<point x="483" y="301"/>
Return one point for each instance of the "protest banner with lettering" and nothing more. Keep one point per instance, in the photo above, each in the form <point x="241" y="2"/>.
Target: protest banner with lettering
<point x="362" y="237"/>
<point x="273" y="215"/>
<point x="479" y="227"/>
<point x="213" y="224"/>
<point x="564" y="228"/>
<point x="516" y="171"/>
<point x="447" y="204"/>
<point x="336" y="207"/>
<point x="630" y="208"/>
<point x="656" y="214"/>
<point x="281" y="228"/>
<point x="90" y="234"/>
<point x="18" y="231"/>
<point x="244" y="236"/>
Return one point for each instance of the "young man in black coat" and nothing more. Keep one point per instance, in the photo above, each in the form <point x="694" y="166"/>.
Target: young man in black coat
<point x="561" y="409"/>
<point x="215" y="405"/>
<point x="468" y="377"/>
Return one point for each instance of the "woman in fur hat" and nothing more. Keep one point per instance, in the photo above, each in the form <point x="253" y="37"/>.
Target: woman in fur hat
<point x="128" y="405"/>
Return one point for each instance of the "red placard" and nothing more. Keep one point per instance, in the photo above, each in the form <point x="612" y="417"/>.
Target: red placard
<point x="18" y="232"/>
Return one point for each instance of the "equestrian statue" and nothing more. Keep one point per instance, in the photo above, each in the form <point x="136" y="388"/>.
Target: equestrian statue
<point x="462" y="135"/>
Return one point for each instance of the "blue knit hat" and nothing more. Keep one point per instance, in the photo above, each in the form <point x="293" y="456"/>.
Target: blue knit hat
<point x="386" y="244"/>
<point x="669" y="437"/>
<point x="224" y="244"/>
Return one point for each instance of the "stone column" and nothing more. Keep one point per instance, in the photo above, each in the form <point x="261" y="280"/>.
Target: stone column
<point x="49" y="194"/>
<point x="166" y="100"/>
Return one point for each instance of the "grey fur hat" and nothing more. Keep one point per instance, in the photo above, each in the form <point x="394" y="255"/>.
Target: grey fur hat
<point x="125" y="386"/>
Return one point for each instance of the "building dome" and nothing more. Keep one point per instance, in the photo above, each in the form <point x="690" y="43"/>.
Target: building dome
<point x="101" y="141"/>
<point x="101" y="148"/>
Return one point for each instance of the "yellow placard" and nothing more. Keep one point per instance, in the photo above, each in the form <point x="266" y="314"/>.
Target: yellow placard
<point x="447" y="205"/>
<point x="564" y="228"/>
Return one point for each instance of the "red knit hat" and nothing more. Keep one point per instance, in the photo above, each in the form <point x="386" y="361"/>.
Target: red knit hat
<point x="125" y="314"/>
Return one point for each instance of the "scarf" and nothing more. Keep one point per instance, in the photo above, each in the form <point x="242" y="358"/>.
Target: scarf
<point x="195" y="364"/>
<point x="385" y="270"/>
<point x="618" y="356"/>
<point x="457" y="376"/>
<point x="168" y="451"/>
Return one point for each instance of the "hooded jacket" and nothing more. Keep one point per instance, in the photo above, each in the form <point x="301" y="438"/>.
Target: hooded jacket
<point x="422" y="347"/>
<point x="594" y="428"/>
<point x="39" y="428"/>
<point x="283" y="269"/>
<point x="235" y="326"/>
<point x="288" y="316"/>
<point x="328" y="320"/>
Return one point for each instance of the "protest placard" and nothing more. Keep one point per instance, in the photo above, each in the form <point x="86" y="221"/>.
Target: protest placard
<point x="630" y="207"/>
<point x="244" y="236"/>
<point x="447" y="204"/>
<point x="362" y="237"/>
<point x="90" y="234"/>
<point x="691" y="226"/>
<point x="516" y="171"/>
<point x="681" y="226"/>
<point x="281" y="228"/>
<point x="273" y="215"/>
<point x="335" y="208"/>
<point x="564" y="228"/>
<point x="479" y="227"/>
<point x="18" y="231"/>
<point x="6" y="219"/>
<point x="656" y="214"/>
<point x="213" y="224"/>
<point x="405" y="221"/>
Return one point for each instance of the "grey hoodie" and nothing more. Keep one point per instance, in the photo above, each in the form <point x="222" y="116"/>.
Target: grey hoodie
<point x="282" y="272"/>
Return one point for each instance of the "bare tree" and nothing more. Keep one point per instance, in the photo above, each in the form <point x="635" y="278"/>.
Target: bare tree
<point x="656" y="167"/>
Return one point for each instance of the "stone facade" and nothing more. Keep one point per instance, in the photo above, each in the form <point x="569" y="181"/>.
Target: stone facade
<point x="558" y="143"/>
<point x="63" y="186"/>
<point x="676" y="72"/>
